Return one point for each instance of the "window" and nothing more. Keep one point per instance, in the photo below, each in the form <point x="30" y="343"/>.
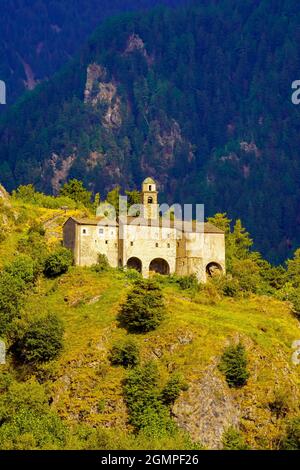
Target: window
<point x="101" y="231"/>
<point x="168" y="245"/>
<point x="131" y="243"/>
<point x="106" y="242"/>
<point x="150" y="187"/>
<point x="156" y="244"/>
<point x="150" y="200"/>
<point x="84" y="231"/>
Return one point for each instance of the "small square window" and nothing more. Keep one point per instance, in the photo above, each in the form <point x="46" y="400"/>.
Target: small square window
<point x="84" y="231"/>
<point x="106" y="242"/>
<point x="168" y="245"/>
<point x="156" y="244"/>
<point x="131" y="243"/>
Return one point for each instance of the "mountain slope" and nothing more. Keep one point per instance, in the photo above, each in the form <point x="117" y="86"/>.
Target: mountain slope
<point x="198" y="97"/>
<point x="77" y="399"/>
<point x="39" y="36"/>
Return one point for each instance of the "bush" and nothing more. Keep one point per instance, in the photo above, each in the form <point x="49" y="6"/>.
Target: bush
<point x="125" y="354"/>
<point x="58" y="262"/>
<point x="75" y="190"/>
<point x="29" y="195"/>
<point x="143" y="400"/>
<point x="233" y="365"/>
<point x="232" y="439"/>
<point x="188" y="282"/>
<point x="26" y="420"/>
<point x="228" y="286"/>
<point x="102" y="264"/>
<point x="34" y="245"/>
<point x="291" y="440"/>
<point x="11" y="298"/>
<point x="37" y="227"/>
<point x="172" y="389"/>
<point x="246" y="271"/>
<point x="42" y="340"/>
<point x="144" y="308"/>
<point x="23" y="268"/>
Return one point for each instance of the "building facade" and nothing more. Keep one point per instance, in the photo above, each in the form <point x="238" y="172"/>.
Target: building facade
<point x="149" y="242"/>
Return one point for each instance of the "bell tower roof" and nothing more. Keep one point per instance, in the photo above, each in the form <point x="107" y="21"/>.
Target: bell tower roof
<point x="149" y="181"/>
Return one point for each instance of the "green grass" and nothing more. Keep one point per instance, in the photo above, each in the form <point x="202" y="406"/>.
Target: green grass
<point x="86" y="388"/>
<point x="192" y="337"/>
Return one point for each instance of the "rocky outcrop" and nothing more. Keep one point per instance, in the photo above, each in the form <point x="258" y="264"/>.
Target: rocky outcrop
<point x="135" y="43"/>
<point x="166" y="136"/>
<point x="250" y="147"/>
<point x="207" y="409"/>
<point x="100" y="91"/>
<point x="60" y="169"/>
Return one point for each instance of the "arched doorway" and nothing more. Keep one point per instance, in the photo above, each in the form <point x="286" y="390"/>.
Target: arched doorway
<point x="134" y="263"/>
<point x="213" y="269"/>
<point x="159" y="266"/>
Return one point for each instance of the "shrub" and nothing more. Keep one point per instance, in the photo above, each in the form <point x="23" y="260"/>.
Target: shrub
<point x="144" y="308"/>
<point x="246" y="271"/>
<point x="172" y="389"/>
<point x="233" y="364"/>
<point x="28" y="194"/>
<point x="188" y="282"/>
<point x="125" y="354"/>
<point x="34" y="245"/>
<point x="26" y="420"/>
<point x="58" y="262"/>
<point x="102" y="264"/>
<point x="75" y="190"/>
<point x="37" y="227"/>
<point x="42" y="340"/>
<point x="227" y="285"/>
<point x="291" y="440"/>
<point x="11" y="298"/>
<point x="144" y="402"/>
<point x="23" y="268"/>
<point x="132" y="274"/>
<point x="233" y="439"/>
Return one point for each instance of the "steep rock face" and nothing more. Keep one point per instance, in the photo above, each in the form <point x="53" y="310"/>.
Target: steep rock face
<point x="98" y="91"/>
<point x="207" y="409"/>
<point x="60" y="170"/>
<point x="135" y="43"/>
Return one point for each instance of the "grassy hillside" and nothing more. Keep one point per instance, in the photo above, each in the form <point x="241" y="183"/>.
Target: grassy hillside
<point x="86" y="391"/>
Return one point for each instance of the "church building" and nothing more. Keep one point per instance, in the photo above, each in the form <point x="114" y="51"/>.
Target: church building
<point x="149" y="243"/>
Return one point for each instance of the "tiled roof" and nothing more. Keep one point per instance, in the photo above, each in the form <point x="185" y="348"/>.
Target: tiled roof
<point x="188" y="227"/>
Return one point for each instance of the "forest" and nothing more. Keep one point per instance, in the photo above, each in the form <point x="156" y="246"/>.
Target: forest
<point x="198" y="97"/>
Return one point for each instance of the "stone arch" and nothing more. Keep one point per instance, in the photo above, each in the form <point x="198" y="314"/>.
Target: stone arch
<point x="159" y="266"/>
<point x="213" y="269"/>
<point x="134" y="263"/>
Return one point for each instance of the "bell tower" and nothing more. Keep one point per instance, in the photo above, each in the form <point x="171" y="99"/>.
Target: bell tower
<point x="149" y="199"/>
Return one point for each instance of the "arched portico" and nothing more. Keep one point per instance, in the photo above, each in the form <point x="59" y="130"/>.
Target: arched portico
<point x="159" y="266"/>
<point x="214" y="269"/>
<point x="134" y="263"/>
